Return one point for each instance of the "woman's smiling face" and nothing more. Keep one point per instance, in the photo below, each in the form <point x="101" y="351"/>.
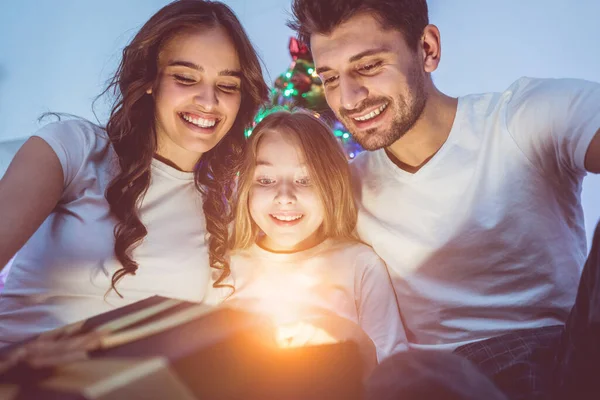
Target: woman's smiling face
<point x="197" y="94"/>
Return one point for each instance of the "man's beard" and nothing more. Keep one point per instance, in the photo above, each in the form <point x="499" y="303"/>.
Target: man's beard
<point x="405" y="115"/>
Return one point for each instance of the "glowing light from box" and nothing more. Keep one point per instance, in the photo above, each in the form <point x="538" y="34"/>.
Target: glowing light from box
<point x="301" y="334"/>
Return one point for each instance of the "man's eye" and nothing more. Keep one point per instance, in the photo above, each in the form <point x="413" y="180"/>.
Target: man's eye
<point x="329" y="81"/>
<point x="370" y="67"/>
<point x="184" y="79"/>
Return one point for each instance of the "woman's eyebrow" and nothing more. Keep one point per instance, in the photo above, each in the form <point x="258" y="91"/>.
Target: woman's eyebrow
<point x="189" y="64"/>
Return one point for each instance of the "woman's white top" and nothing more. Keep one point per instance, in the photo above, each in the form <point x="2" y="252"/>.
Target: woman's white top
<point x="63" y="272"/>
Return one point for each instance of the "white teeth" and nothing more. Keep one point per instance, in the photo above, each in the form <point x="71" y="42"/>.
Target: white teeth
<point x="287" y="217"/>
<point x="372" y="114"/>
<point x="201" y="122"/>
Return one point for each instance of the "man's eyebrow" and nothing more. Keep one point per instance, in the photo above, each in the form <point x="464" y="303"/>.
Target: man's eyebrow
<point x="320" y="70"/>
<point x="189" y="64"/>
<point x="368" y="53"/>
<point x="357" y="57"/>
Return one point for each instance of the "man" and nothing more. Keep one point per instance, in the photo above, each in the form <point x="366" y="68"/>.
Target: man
<point x="473" y="203"/>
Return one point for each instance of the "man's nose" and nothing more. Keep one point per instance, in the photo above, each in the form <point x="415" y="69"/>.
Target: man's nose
<point x="352" y="92"/>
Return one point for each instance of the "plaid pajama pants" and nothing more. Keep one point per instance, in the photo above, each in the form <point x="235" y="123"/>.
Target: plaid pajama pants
<point x="556" y="362"/>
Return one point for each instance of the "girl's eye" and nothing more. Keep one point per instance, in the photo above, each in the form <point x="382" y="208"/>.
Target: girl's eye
<point x="370" y="67"/>
<point x="184" y="79"/>
<point x="229" y="88"/>
<point x="303" y="181"/>
<point x="265" y="181"/>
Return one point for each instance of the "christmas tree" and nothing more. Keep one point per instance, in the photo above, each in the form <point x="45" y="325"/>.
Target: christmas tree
<point x="300" y="86"/>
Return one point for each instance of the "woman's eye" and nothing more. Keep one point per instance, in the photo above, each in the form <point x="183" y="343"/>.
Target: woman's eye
<point x="303" y="181"/>
<point x="184" y="79"/>
<point x="229" y="88"/>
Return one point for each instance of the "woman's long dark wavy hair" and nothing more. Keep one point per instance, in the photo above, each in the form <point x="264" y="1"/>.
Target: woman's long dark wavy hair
<point x="131" y="130"/>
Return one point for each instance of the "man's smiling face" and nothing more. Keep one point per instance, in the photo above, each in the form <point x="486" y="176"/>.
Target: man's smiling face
<point x="373" y="81"/>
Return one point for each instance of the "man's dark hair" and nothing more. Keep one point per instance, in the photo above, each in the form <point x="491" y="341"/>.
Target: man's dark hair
<point x="410" y="17"/>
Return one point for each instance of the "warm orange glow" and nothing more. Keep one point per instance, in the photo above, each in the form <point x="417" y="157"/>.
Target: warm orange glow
<point x="301" y="334"/>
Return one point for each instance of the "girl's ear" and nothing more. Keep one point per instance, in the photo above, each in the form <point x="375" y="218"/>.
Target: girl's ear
<point x="149" y="91"/>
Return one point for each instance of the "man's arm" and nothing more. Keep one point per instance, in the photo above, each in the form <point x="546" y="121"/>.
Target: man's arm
<point x="592" y="156"/>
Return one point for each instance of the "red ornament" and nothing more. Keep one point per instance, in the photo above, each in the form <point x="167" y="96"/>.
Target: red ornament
<point x="299" y="50"/>
<point x="302" y="82"/>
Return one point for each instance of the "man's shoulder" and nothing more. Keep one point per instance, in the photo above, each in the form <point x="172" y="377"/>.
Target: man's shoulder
<point x="525" y="82"/>
<point x="480" y="108"/>
<point x="365" y="161"/>
<point x="366" y="167"/>
<point x="361" y="158"/>
<point x="522" y="86"/>
<point x="533" y="90"/>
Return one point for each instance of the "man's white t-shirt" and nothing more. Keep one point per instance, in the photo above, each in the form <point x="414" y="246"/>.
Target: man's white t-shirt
<point x="345" y="278"/>
<point x="487" y="237"/>
<point x="63" y="272"/>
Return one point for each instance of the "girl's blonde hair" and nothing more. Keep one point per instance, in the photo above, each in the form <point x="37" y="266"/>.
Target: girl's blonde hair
<point x="327" y="166"/>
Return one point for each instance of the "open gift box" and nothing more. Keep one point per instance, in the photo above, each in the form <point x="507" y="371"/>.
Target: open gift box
<point x="161" y="348"/>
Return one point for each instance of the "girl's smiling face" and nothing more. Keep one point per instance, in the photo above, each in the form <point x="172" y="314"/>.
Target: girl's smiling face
<point x="283" y="201"/>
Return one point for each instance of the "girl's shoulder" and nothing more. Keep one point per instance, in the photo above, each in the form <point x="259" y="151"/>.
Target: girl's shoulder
<point x="355" y="250"/>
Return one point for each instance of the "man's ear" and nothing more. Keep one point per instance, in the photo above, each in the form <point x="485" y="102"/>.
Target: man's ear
<point x="431" y="48"/>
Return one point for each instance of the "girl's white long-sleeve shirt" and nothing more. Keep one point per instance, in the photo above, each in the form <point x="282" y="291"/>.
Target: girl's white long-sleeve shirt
<point x="340" y="277"/>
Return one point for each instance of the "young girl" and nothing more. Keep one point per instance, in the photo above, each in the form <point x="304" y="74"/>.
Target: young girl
<point x="295" y="255"/>
<point x="103" y="217"/>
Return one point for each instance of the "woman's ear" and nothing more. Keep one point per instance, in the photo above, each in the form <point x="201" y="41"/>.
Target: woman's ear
<point x="149" y="91"/>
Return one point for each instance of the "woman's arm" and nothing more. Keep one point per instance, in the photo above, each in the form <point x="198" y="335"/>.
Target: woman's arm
<point x="29" y="191"/>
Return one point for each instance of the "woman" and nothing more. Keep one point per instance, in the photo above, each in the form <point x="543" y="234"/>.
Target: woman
<point x="87" y="208"/>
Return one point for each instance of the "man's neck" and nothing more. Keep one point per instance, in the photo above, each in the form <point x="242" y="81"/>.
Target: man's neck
<point x="413" y="150"/>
